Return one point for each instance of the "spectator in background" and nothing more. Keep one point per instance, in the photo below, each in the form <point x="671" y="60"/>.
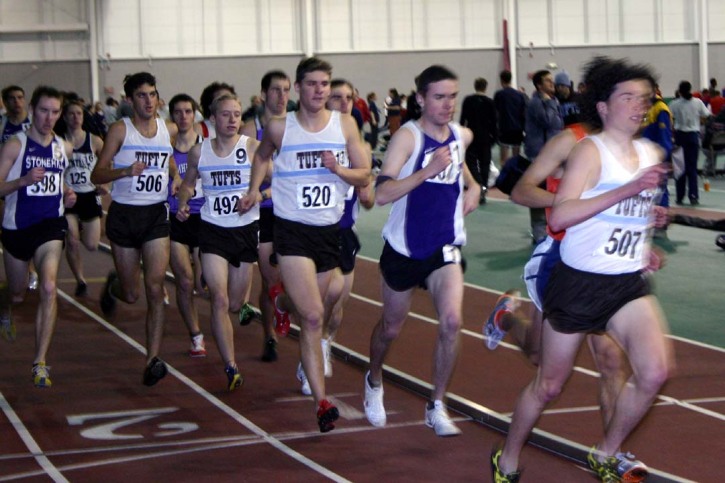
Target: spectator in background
<point x="543" y="122"/>
<point x="372" y="138"/>
<point x="716" y="101"/>
<point x="394" y="111"/>
<point x="255" y="109"/>
<point x="568" y="105"/>
<point x="511" y="113"/>
<point x="657" y="127"/>
<point x="479" y="115"/>
<point x="109" y="110"/>
<point x="689" y="113"/>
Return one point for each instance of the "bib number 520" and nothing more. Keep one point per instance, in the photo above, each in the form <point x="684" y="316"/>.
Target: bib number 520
<point x="623" y="243"/>
<point x="315" y="196"/>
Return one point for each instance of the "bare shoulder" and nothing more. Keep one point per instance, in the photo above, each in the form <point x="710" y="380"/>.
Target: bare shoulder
<point x="466" y="135"/>
<point x="401" y="147"/>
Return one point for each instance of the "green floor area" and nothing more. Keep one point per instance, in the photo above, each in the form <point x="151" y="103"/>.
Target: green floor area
<point x="689" y="287"/>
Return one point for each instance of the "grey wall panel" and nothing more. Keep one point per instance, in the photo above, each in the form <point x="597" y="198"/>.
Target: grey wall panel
<point x="672" y="63"/>
<point x="66" y="76"/>
<point x="716" y="62"/>
<point x="192" y="75"/>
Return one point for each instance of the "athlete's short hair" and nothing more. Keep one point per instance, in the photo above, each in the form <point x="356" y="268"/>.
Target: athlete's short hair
<point x="538" y="77"/>
<point x="182" y="98"/>
<point x="134" y="81"/>
<point x="12" y="88"/>
<point x="505" y="77"/>
<point x="433" y="74"/>
<point x="601" y="76"/>
<point x="270" y="76"/>
<point x="207" y="96"/>
<point x="45" y="91"/>
<point x="480" y="84"/>
<point x="311" y="64"/>
<point x="219" y="99"/>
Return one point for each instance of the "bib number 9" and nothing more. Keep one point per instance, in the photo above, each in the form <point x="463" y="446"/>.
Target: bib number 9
<point x="50" y="185"/>
<point x="623" y="243"/>
<point x="314" y="196"/>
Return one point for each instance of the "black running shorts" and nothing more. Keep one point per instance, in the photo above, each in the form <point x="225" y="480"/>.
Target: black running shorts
<point x="185" y="232"/>
<point x="23" y="243"/>
<point x="236" y="245"/>
<point x="131" y="226"/>
<point x="87" y="206"/>
<point x="402" y="273"/>
<point x="350" y="244"/>
<point x="319" y="243"/>
<point x="577" y="301"/>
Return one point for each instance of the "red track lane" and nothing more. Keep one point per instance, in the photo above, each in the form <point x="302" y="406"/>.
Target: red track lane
<point x="188" y="428"/>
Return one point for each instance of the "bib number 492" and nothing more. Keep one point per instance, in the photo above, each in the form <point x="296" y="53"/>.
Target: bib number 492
<point x="623" y="243"/>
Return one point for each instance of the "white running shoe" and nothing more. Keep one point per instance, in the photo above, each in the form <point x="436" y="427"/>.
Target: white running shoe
<point x="438" y="419"/>
<point x="374" y="409"/>
<point x="198" y="348"/>
<point x="33" y="281"/>
<point x="302" y="377"/>
<point x="327" y="355"/>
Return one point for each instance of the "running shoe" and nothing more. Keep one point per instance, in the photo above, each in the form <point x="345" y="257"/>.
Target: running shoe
<point x="720" y="241"/>
<point x="269" y="354"/>
<point x="630" y="469"/>
<point x="33" y="281"/>
<point x="374" y="408"/>
<point x="248" y="313"/>
<point x="327" y="356"/>
<point x="498" y="475"/>
<point x="606" y="470"/>
<point x="327" y="414"/>
<point x="41" y="375"/>
<point x="108" y="301"/>
<point x="7" y="328"/>
<point x="154" y="372"/>
<point x="198" y="348"/>
<point x="302" y="377"/>
<point x="281" y="318"/>
<point x="233" y="377"/>
<point x="81" y="289"/>
<point x="505" y="304"/>
<point x="436" y="417"/>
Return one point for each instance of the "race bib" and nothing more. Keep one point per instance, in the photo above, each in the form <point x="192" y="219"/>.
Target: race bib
<point x="50" y="185"/>
<point x="77" y="177"/>
<point x="624" y="243"/>
<point x="150" y="182"/>
<point x="316" y="196"/>
<point x="224" y="205"/>
<point x="451" y="173"/>
<point x="451" y="254"/>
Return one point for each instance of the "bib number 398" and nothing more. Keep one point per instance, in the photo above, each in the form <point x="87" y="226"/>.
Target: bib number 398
<point x="50" y="185"/>
<point x="623" y="243"/>
<point x="315" y="196"/>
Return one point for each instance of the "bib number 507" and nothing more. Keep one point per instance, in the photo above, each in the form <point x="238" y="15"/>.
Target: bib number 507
<point x="623" y="243"/>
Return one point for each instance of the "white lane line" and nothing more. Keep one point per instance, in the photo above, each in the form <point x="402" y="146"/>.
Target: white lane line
<point x="210" y="398"/>
<point x="581" y="370"/>
<point x="42" y="460"/>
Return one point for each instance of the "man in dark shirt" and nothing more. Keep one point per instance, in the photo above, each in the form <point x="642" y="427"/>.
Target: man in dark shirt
<point x="511" y="110"/>
<point x="479" y="115"/>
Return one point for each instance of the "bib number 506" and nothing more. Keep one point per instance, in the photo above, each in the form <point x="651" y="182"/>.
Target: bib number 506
<point x="623" y="243"/>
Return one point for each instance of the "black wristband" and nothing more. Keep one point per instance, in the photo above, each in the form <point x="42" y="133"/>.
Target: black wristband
<point x="382" y="179"/>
